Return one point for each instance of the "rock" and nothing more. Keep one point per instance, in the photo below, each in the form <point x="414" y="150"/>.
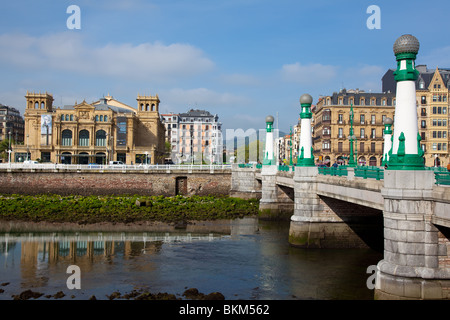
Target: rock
<point x="214" y="296"/>
<point x="27" y="294"/>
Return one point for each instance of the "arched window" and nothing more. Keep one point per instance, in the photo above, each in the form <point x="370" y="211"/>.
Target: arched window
<point x="153" y="107"/>
<point x="62" y="117"/>
<point x="71" y="117"/>
<point x="67" y="117"/>
<point x="146" y="107"/>
<point x="96" y="118"/>
<point x="100" y="138"/>
<point x="42" y="105"/>
<point x="106" y="118"/>
<point x="66" y="138"/>
<point x="101" y="118"/>
<point x="84" y="138"/>
<point x="36" y="105"/>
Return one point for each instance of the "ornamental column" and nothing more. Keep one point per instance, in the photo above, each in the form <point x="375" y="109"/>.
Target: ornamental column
<point x="387" y="140"/>
<point x="406" y="151"/>
<point x="269" y="158"/>
<point x="305" y="158"/>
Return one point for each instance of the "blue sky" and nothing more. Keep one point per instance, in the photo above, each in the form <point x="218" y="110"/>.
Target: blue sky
<point x="241" y="59"/>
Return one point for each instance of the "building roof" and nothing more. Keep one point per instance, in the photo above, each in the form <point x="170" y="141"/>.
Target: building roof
<point x="358" y="95"/>
<point x="196" y="113"/>
<point x="425" y="76"/>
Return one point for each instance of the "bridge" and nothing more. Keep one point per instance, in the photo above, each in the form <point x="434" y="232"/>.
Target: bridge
<point x="406" y="211"/>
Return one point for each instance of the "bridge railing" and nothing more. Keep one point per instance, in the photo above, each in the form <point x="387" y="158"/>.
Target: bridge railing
<point x="285" y="168"/>
<point x="442" y="178"/>
<point x="334" y="171"/>
<point x="369" y="172"/>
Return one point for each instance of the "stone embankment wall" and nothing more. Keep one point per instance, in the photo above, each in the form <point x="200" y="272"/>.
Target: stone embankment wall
<point x="117" y="183"/>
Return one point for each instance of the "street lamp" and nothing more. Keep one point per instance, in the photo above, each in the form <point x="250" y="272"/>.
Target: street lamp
<point x="28" y="150"/>
<point x="9" y="149"/>
<point x="351" y="138"/>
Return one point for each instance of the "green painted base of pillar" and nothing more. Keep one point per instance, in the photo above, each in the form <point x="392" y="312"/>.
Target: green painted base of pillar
<point x="305" y="162"/>
<point x="267" y="162"/>
<point x="406" y="162"/>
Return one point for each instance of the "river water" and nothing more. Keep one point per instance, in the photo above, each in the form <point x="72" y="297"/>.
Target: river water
<point x="242" y="259"/>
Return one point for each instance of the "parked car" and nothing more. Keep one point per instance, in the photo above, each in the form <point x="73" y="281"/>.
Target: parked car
<point x="116" y="163"/>
<point x="30" y="162"/>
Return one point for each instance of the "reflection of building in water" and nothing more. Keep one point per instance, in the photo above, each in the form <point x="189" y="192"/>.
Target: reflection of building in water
<point x="37" y="256"/>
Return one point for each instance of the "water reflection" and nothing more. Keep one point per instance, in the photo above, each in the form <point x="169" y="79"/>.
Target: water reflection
<point x="251" y="260"/>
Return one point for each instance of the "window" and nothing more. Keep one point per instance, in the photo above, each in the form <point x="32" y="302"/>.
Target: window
<point x="100" y="138"/>
<point x="434" y="110"/>
<point x="105" y="118"/>
<point x="67" y="117"/>
<point x="362" y="133"/>
<point x="340" y="133"/>
<point x="66" y="138"/>
<point x="84" y="138"/>
<point x="71" y="117"/>
<point x="423" y="124"/>
<point x="373" y="119"/>
<point x="373" y="133"/>
<point x="423" y="100"/>
<point x="362" y="119"/>
<point x="372" y="147"/>
<point x="340" y="118"/>
<point x="96" y="118"/>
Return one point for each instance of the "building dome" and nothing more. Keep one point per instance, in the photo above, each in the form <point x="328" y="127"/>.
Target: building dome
<point x="269" y="119"/>
<point x="406" y="44"/>
<point x="306" y="99"/>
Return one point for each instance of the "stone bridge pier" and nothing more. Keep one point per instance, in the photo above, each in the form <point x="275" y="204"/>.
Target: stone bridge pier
<point x="277" y="201"/>
<point x="323" y="222"/>
<point x="416" y="262"/>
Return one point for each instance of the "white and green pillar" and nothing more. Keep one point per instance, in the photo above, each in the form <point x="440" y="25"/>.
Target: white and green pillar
<point x="305" y="158"/>
<point x="387" y="140"/>
<point x="406" y="151"/>
<point x="269" y="158"/>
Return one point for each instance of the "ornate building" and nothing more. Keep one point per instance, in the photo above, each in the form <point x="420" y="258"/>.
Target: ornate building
<point x="331" y="126"/>
<point x="195" y="137"/>
<point x="96" y="132"/>
<point x="432" y="99"/>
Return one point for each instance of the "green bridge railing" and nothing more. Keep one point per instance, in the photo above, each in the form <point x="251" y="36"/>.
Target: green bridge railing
<point x="442" y="178"/>
<point x="369" y="172"/>
<point x="332" y="171"/>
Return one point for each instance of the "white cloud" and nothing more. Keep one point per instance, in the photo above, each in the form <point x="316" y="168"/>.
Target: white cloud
<point x="308" y="74"/>
<point x="439" y="57"/>
<point x="68" y="52"/>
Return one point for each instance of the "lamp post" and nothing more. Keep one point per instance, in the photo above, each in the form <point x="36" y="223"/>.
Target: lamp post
<point x="290" y="151"/>
<point x="406" y="151"/>
<point x="28" y="150"/>
<point x="351" y="138"/>
<point x="305" y="158"/>
<point x="9" y="149"/>
<point x="268" y="152"/>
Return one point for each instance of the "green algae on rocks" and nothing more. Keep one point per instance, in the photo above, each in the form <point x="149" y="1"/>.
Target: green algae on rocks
<point x="124" y="209"/>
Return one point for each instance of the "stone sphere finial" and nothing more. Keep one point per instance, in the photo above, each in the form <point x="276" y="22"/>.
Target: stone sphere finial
<point x="269" y="119"/>
<point x="388" y="121"/>
<point x="306" y="99"/>
<point x="406" y="44"/>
